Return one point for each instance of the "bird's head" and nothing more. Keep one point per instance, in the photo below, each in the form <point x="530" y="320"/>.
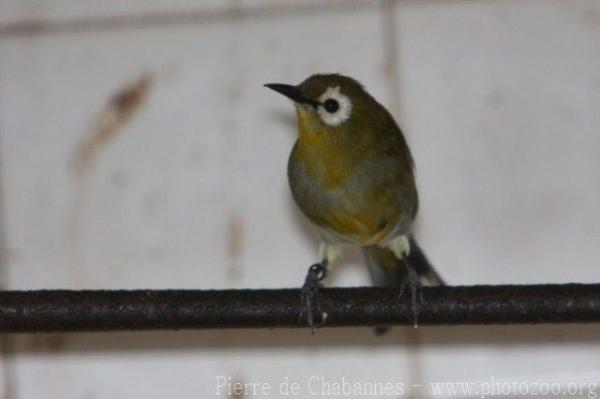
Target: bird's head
<point x="331" y="103"/>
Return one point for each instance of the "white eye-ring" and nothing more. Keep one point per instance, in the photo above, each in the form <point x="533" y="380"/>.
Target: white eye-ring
<point x="335" y="108"/>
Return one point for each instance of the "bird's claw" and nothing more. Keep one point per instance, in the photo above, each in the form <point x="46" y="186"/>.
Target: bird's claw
<point x="310" y="296"/>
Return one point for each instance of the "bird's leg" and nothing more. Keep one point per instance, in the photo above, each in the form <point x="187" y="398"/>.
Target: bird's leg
<point x="400" y="246"/>
<point x="413" y="283"/>
<point x="310" y="293"/>
<point x="312" y="283"/>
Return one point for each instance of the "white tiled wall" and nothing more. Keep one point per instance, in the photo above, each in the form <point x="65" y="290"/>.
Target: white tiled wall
<point x="502" y="105"/>
<point x="500" y="102"/>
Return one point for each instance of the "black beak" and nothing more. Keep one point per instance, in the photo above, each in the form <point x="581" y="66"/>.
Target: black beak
<point x="291" y="92"/>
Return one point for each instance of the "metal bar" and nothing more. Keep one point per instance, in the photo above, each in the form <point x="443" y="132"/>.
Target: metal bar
<point x="76" y="311"/>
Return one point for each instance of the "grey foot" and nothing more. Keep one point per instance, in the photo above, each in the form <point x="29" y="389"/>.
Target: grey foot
<point x="310" y="296"/>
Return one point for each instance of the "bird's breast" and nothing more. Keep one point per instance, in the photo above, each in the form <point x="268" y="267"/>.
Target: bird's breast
<point x="357" y="198"/>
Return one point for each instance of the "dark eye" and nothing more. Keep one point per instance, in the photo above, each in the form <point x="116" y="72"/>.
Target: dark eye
<point x="331" y="105"/>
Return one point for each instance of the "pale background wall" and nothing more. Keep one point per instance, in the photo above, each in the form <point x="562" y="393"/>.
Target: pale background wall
<point x="500" y="101"/>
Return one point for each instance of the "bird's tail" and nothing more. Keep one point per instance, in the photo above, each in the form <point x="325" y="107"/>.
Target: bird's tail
<point x="388" y="271"/>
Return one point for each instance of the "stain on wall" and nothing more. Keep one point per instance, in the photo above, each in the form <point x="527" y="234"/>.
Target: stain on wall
<point x="120" y="108"/>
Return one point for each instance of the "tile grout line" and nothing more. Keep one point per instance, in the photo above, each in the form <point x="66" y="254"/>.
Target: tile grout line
<point x="393" y="64"/>
<point x="8" y="389"/>
<point x="110" y="23"/>
<point x="391" y="55"/>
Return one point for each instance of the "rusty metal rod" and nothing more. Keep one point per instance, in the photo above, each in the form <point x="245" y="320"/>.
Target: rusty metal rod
<point x="76" y="311"/>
